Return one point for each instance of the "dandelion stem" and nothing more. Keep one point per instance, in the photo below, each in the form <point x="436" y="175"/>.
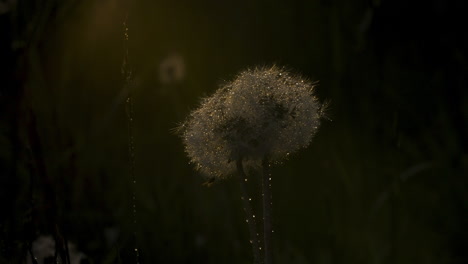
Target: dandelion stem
<point x="127" y="75"/>
<point x="267" y="223"/>
<point x="254" y="237"/>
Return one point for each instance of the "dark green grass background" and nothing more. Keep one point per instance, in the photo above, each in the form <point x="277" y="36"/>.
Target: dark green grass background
<point x="384" y="182"/>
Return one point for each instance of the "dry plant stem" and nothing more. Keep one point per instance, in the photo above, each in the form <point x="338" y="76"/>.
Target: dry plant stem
<point x="249" y="213"/>
<point x="267" y="222"/>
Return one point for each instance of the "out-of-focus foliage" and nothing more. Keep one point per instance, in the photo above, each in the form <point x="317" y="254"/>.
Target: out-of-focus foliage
<point x="384" y="182"/>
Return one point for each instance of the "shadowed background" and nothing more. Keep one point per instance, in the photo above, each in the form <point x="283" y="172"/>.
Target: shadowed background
<point x="384" y="181"/>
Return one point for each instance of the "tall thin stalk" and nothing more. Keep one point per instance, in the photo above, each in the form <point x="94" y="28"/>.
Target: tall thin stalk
<point x="254" y="237"/>
<point x="127" y="75"/>
<point x="267" y="208"/>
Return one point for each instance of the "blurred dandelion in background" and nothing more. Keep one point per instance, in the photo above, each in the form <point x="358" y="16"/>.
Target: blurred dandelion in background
<point x="171" y="69"/>
<point x="43" y="249"/>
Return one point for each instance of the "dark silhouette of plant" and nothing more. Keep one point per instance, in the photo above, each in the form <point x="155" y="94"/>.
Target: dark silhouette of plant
<point x="260" y="117"/>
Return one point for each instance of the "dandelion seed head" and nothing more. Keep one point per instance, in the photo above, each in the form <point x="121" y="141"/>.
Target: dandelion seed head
<point x="263" y="112"/>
